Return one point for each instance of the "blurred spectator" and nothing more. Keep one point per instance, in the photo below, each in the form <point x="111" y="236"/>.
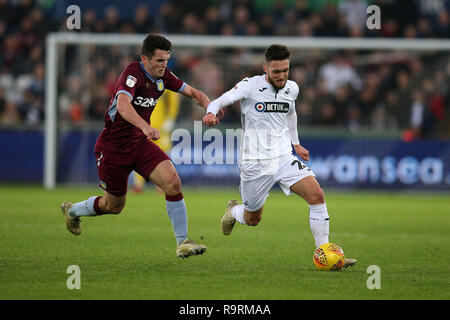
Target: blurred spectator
<point x="442" y="26"/>
<point x="6" y="12"/>
<point x="142" y="21"/>
<point x="328" y="115"/>
<point x="89" y="20"/>
<point x="367" y="101"/>
<point x="2" y="101"/>
<point x="403" y="92"/>
<point x="341" y="101"/>
<point x="354" y="12"/>
<point x="240" y="20"/>
<point x="168" y="19"/>
<point x="31" y="109"/>
<point x="418" y="125"/>
<point x="12" y="53"/>
<point x="37" y="85"/>
<point x="267" y="25"/>
<point x="339" y="72"/>
<point x="10" y="115"/>
<point x="391" y="108"/>
<point x="190" y="24"/>
<point x="301" y="10"/>
<point x="390" y="29"/>
<point x="303" y="29"/>
<point x="112" y="19"/>
<point x="213" y="20"/>
<point x="353" y="118"/>
<point x="288" y="27"/>
<point x="424" y="29"/>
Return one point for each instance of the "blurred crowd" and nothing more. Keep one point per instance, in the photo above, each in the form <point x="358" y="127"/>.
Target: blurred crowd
<point x="348" y="89"/>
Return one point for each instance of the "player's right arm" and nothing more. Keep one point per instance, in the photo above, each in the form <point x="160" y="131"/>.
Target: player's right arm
<point x="239" y="92"/>
<point x="127" y="112"/>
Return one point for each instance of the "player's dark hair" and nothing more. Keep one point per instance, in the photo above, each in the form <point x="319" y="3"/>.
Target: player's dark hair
<point x="153" y="42"/>
<point x="277" y="52"/>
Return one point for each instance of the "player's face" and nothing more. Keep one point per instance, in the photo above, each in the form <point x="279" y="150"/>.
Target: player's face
<point x="277" y="72"/>
<point x="156" y="65"/>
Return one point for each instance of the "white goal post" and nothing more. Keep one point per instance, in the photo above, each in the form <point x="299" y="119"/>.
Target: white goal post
<point x="64" y="38"/>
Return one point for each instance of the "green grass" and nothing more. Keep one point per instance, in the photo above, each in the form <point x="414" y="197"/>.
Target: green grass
<point x="132" y="255"/>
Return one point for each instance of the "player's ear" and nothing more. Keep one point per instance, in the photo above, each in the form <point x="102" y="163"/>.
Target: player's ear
<point x="265" y="67"/>
<point x="144" y="58"/>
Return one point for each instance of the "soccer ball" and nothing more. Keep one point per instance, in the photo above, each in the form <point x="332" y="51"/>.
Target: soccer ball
<point x="329" y="256"/>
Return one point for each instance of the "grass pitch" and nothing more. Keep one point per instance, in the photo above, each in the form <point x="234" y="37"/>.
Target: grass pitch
<point x="132" y="255"/>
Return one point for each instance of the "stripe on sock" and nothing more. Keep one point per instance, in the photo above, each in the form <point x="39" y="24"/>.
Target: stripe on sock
<point x="97" y="209"/>
<point x="174" y="198"/>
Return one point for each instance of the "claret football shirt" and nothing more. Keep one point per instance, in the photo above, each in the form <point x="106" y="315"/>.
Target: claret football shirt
<point x="119" y="135"/>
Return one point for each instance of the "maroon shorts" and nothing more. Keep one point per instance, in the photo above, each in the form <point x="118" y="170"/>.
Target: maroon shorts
<point x="114" y="168"/>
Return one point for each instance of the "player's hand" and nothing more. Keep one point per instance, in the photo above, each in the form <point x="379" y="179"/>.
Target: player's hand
<point x="302" y="152"/>
<point x="151" y="133"/>
<point x="220" y="114"/>
<point x="210" y="119"/>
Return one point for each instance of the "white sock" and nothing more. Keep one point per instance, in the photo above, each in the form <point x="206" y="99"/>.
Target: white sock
<point x="238" y="213"/>
<point x="319" y="221"/>
<point x="83" y="208"/>
<point x="178" y="216"/>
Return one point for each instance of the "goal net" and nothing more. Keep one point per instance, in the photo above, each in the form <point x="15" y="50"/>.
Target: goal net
<point x="359" y="99"/>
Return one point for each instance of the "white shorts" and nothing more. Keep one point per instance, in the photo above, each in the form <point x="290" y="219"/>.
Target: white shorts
<point x="258" y="177"/>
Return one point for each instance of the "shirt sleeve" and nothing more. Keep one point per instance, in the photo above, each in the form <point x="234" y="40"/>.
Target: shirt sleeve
<point x="291" y="122"/>
<point x="240" y="91"/>
<point x="172" y="82"/>
<point x="128" y="82"/>
<point x="291" y="119"/>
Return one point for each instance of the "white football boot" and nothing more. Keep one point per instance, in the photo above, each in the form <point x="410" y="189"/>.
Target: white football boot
<point x="72" y="224"/>
<point x="349" y="262"/>
<point x="189" y="248"/>
<point x="228" y="220"/>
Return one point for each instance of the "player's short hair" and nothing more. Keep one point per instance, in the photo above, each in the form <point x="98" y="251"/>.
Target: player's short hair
<point x="153" y="42"/>
<point x="276" y="52"/>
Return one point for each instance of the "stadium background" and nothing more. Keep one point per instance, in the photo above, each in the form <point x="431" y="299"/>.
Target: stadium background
<point x="383" y="123"/>
<point x="387" y="128"/>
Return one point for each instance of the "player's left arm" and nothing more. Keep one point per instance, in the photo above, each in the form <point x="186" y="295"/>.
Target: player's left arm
<point x="291" y="121"/>
<point x="198" y="96"/>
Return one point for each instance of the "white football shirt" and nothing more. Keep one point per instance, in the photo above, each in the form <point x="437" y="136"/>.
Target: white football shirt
<point x="268" y="117"/>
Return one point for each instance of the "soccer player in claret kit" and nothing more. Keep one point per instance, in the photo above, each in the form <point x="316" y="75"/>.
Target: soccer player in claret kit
<point x="269" y="123"/>
<point x="125" y="144"/>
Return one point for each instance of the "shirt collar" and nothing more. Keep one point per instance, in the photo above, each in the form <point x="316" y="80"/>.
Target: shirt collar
<point x="146" y="73"/>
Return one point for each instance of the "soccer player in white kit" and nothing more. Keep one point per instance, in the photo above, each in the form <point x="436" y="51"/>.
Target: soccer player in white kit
<point x="269" y="122"/>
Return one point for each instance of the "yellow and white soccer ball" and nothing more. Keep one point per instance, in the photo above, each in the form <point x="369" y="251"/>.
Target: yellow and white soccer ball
<point x="329" y="257"/>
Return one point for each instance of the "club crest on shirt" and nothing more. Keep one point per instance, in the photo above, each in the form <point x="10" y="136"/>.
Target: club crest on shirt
<point x="159" y="85"/>
<point x="131" y="81"/>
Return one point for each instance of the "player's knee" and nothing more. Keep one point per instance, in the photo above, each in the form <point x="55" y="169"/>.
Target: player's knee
<point x="316" y="197"/>
<point x="115" y="208"/>
<point x="252" y="219"/>
<point x="173" y="185"/>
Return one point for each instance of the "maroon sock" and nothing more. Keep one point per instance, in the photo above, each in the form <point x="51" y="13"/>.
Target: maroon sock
<point x="174" y="198"/>
<point x="97" y="209"/>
